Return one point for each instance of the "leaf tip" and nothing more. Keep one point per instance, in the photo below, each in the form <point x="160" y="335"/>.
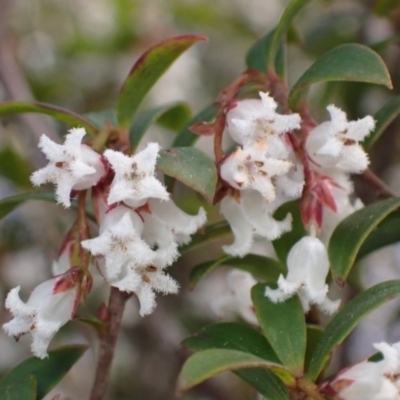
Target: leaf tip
<point x="340" y="281"/>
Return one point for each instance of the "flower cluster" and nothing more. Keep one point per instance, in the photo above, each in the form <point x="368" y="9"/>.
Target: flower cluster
<point x="139" y="233"/>
<point x="368" y="380"/>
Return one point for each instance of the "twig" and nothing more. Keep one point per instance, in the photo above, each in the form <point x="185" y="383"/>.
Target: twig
<point x="116" y="307"/>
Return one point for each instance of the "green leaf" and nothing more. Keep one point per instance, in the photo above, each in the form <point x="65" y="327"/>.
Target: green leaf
<point x="348" y="62"/>
<point x="261" y="266"/>
<point x="190" y="166"/>
<point x="48" y="372"/>
<point x="234" y="336"/>
<point x="186" y="137"/>
<point x="213" y="231"/>
<point x="70" y="118"/>
<point x="290" y="12"/>
<point x="256" y="57"/>
<point x="347" y="319"/>
<point x="171" y="116"/>
<point x="205" y="364"/>
<point x="351" y="233"/>
<point x="314" y="333"/>
<point x="387" y="233"/>
<point x="99" y="118"/>
<point x="283" y="245"/>
<point x="15" y="167"/>
<point x="24" y="389"/>
<point x="383" y="118"/>
<point x="284" y="326"/>
<point x="10" y="203"/>
<point x="146" y="72"/>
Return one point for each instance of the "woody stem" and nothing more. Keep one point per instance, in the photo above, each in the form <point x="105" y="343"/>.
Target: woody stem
<point x="108" y="342"/>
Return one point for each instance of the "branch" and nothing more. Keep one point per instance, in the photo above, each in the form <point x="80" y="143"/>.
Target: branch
<point x="115" y="310"/>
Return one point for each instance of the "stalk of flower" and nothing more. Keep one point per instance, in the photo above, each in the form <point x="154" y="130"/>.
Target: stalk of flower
<point x="50" y="305"/>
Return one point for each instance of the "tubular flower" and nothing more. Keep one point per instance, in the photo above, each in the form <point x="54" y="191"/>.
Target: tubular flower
<point x="49" y="307"/>
<point x="72" y="166"/>
<point x="368" y="380"/>
<point x="335" y="143"/>
<point x="308" y="266"/>
<point x="250" y="215"/>
<point x="250" y="168"/>
<point x="134" y="182"/>
<point x="237" y="300"/>
<point x="253" y="119"/>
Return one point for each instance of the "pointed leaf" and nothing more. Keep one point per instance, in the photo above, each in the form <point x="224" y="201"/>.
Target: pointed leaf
<point x="260" y="266"/>
<point x="146" y="72"/>
<point x="23" y="389"/>
<point x="348" y="62"/>
<point x="68" y="117"/>
<point x="383" y="118"/>
<point x="190" y="166"/>
<point x="347" y="319"/>
<point x="314" y="333"/>
<point x="186" y="137"/>
<point x="100" y="118"/>
<point x="256" y="57"/>
<point x="351" y="233"/>
<point x="48" y="372"/>
<point x="284" y="326"/>
<point x="387" y="233"/>
<point x="290" y="12"/>
<point x="283" y="245"/>
<point x="234" y="336"/>
<point x="10" y="203"/>
<point x="205" y="364"/>
<point x="171" y="115"/>
<point x="210" y="232"/>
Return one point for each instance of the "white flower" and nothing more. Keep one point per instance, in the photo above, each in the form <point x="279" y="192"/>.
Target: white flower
<point x="120" y="243"/>
<point x="50" y="306"/>
<point x="72" y="166"/>
<point x="369" y="380"/>
<point x="252" y="119"/>
<point x="250" y="215"/>
<point x="308" y="266"/>
<point x="335" y="142"/>
<point x="250" y="168"/>
<point x="237" y="300"/>
<point x="134" y="180"/>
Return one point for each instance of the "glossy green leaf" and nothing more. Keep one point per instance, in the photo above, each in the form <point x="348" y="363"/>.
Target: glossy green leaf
<point x="284" y="326"/>
<point x="24" y="389"/>
<point x="186" y="137"/>
<point x="191" y="167"/>
<point x="351" y="233"/>
<point x="290" y="12"/>
<point x="48" y="372"/>
<point x="347" y="319"/>
<point x="348" y="62"/>
<point x="383" y="118"/>
<point x="146" y="72"/>
<point x="314" y="333"/>
<point x="68" y="117"/>
<point x="172" y="116"/>
<point x="234" y="336"/>
<point x="283" y="245"/>
<point x="210" y="232"/>
<point x="15" y="167"/>
<point x="387" y="233"/>
<point x="8" y="204"/>
<point x="256" y="57"/>
<point x="205" y="364"/>
<point x="260" y="266"/>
